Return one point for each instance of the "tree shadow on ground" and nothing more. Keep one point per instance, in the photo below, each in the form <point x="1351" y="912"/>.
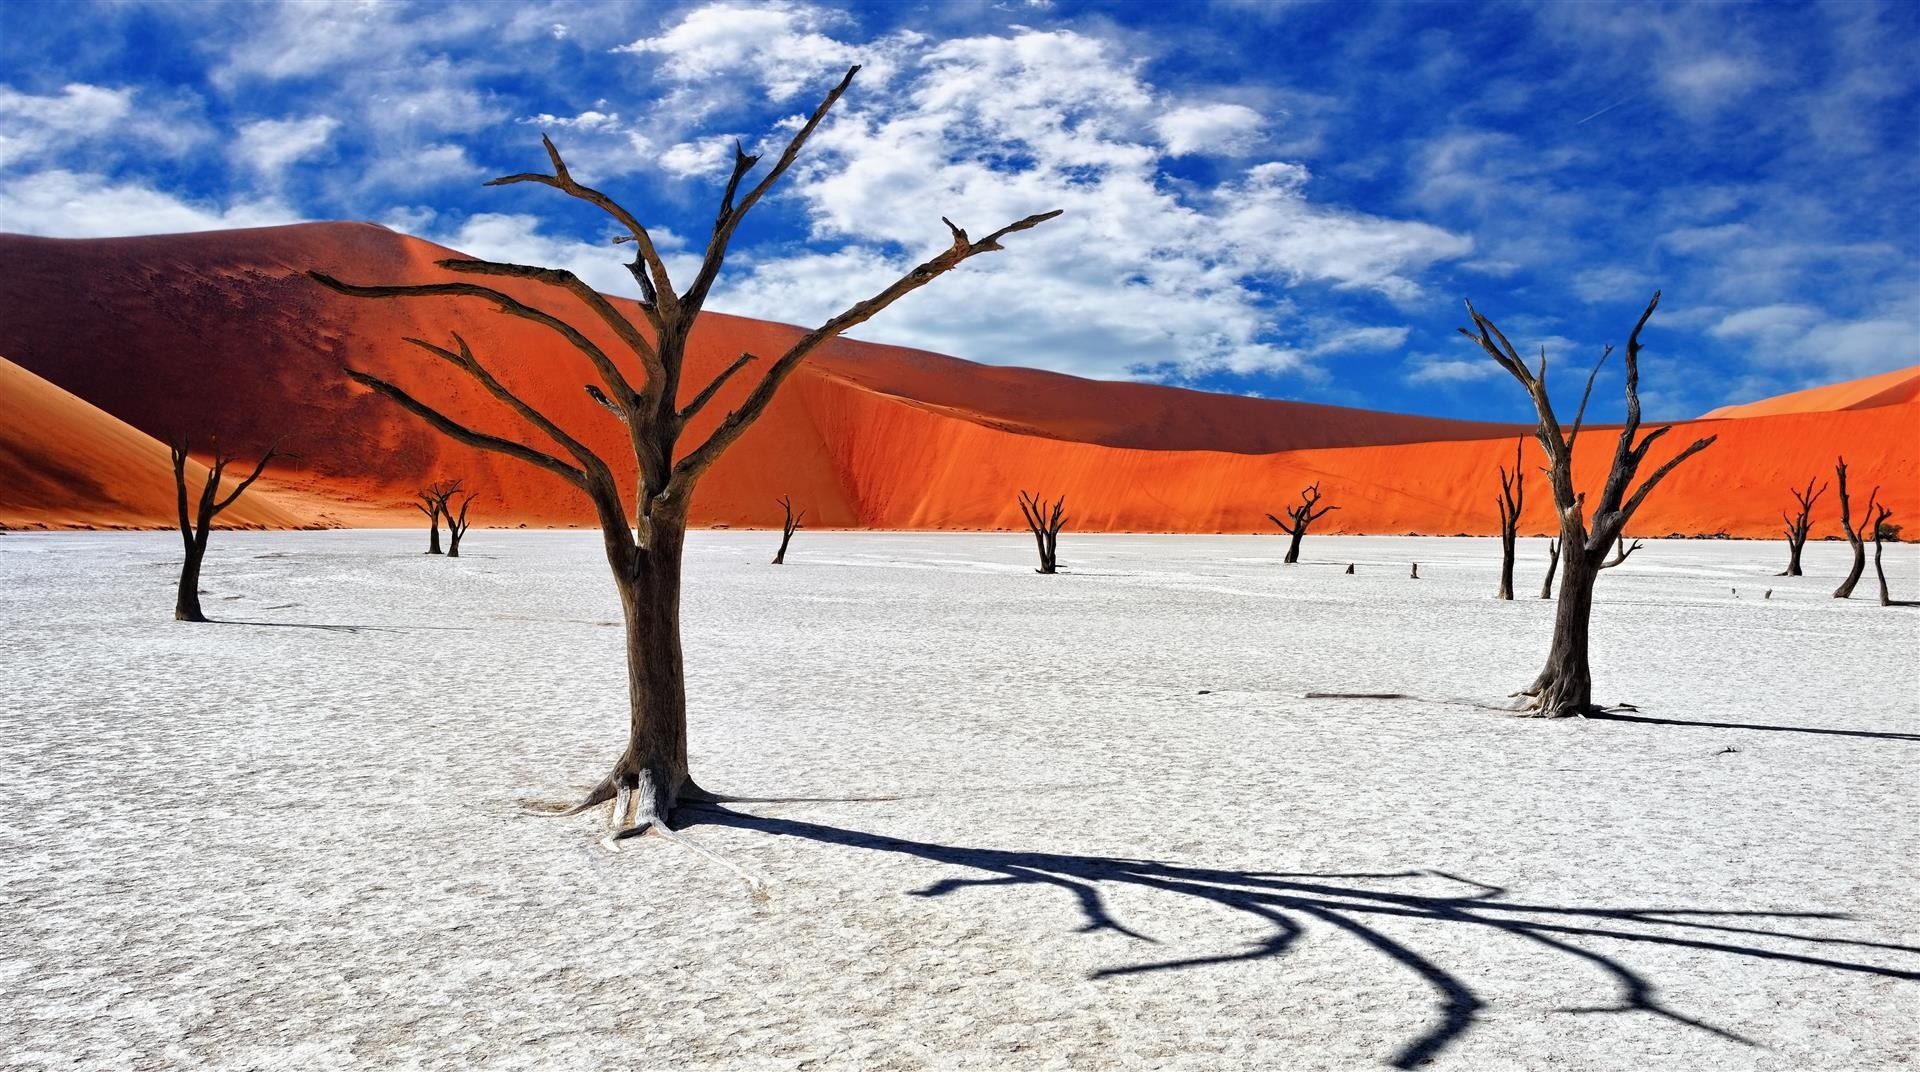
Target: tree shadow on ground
<point x="1880" y="735"/>
<point x="1358" y="904"/>
<point x="343" y="628"/>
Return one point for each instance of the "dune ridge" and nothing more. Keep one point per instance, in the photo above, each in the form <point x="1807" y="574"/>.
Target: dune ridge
<point x="223" y="331"/>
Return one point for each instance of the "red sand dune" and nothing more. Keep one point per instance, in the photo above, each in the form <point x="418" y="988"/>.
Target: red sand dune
<point x="223" y="332"/>
<point x="68" y="464"/>
<point x="1886" y="389"/>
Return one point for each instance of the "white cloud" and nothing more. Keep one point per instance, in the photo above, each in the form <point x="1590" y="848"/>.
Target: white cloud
<point x="1222" y="129"/>
<point x="1432" y="368"/>
<point x="1140" y="276"/>
<point x="269" y="146"/>
<point x="65" y="204"/>
<point x="83" y="115"/>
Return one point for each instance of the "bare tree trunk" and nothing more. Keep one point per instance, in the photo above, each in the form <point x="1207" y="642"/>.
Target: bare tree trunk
<point x="1512" y="496"/>
<point x="457" y="524"/>
<point x="1045" y="526"/>
<point x="653" y="767"/>
<point x="1565" y="684"/>
<point x="186" y="606"/>
<point x="787" y="528"/>
<point x="1293" y="547"/>
<point x="1799" y="525"/>
<point x="1553" y="565"/>
<point x="197" y="526"/>
<point x="433" y="540"/>
<point x="1855" y="535"/>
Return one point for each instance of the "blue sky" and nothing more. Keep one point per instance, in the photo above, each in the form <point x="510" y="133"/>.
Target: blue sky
<point x="1284" y="199"/>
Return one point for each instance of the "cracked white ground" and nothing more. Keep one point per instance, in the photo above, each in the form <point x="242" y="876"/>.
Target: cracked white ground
<point x="1123" y="837"/>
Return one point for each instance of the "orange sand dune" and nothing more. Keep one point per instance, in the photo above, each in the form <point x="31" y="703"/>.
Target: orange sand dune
<point x="1885" y="389"/>
<point x="224" y="331"/>
<point x="67" y="464"/>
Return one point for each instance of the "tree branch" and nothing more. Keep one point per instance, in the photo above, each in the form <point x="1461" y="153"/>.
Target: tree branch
<point x="736" y="422"/>
<point x="593" y="299"/>
<point x="461" y="432"/>
<point x="706" y="393"/>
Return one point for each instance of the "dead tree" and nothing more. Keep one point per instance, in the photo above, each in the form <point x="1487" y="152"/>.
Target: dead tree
<point x="1299" y="517"/>
<point x="1045" y="525"/>
<point x="1854" y="536"/>
<point x="1513" y="494"/>
<point x="1553" y="566"/>
<point x="786" y="528"/>
<point x="644" y="530"/>
<point x="1799" y="525"/>
<point x="1880" y="532"/>
<point x="1565" y="684"/>
<point x="1621" y="549"/>
<point x="456" y="523"/>
<point x="195" y="527"/>
<point x="432" y="501"/>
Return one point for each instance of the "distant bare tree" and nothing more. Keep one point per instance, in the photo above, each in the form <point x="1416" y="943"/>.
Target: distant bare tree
<point x="197" y="526"/>
<point x="786" y="528"/>
<point x="1299" y="517"/>
<point x="650" y="777"/>
<point x="1855" y="536"/>
<point x="1882" y="531"/>
<point x="1799" y="525"/>
<point x="1565" y="685"/>
<point x="1553" y="566"/>
<point x="432" y="501"/>
<point x="1513" y="494"/>
<point x="456" y="522"/>
<point x="1045" y="525"/>
<point x="1621" y="549"/>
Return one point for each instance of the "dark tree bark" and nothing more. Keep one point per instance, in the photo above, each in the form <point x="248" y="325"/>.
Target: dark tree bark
<point x="1855" y="536"/>
<point x="195" y="527"/>
<point x="1299" y="518"/>
<point x="1045" y="525"/>
<point x="432" y="501"/>
<point x="1621" y="549"/>
<point x="1799" y="525"/>
<point x="786" y="528"/>
<point x="649" y="778"/>
<point x="1553" y="566"/>
<point x="456" y="522"/>
<point x="1879" y="522"/>
<point x="1513" y="494"/>
<point x="1415" y="573"/>
<point x="1565" y="684"/>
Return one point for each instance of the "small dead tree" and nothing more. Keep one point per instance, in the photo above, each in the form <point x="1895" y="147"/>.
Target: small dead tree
<point x="1553" y="566"/>
<point x="1045" y="525"/>
<point x="1513" y="494"/>
<point x="1881" y="531"/>
<point x="1300" y="517"/>
<point x="456" y="522"/>
<point x="1799" y="525"/>
<point x="650" y="776"/>
<point x="1621" y="549"/>
<point x="432" y="501"/>
<point x="1855" y="536"/>
<point x="787" y="528"/>
<point x="197" y="526"/>
<point x="1565" y="684"/>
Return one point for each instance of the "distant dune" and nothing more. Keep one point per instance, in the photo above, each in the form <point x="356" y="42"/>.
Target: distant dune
<point x="1886" y="389"/>
<point x="222" y="332"/>
<point x="67" y="464"/>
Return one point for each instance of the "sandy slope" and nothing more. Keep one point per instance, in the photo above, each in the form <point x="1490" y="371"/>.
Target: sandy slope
<point x="1886" y="389"/>
<point x="223" y="327"/>
<point x="67" y="464"/>
<point x="296" y="844"/>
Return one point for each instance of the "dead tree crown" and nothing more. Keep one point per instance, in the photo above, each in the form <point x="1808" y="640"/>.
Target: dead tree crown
<point x="197" y="526"/>
<point x="1045" y="524"/>
<point x="639" y="380"/>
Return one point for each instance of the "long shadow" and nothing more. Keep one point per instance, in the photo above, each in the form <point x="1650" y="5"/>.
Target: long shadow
<point x="1351" y="904"/>
<point x="1886" y="735"/>
<point x="343" y="628"/>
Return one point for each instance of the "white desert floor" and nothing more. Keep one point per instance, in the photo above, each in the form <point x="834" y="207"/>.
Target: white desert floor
<point x="1123" y="838"/>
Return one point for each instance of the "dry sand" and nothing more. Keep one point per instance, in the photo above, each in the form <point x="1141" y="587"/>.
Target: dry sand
<point x="1124" y="839"/>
